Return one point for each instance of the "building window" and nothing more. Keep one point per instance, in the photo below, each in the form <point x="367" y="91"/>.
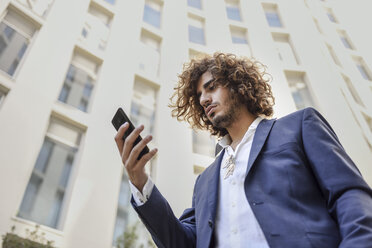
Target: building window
<point x="196" y="30"/>
<point x="317" y="26"/>
<point x="233" y="10"/>
<point x="193" y="54"/>
<point x="96" y="29"/>
<point x="333" y="55"/>
<point x="40" y="7"/>
<point x="285" y="49"/>
<point x="194" y="3"/>
<point x="299" y="90"/>
<point x="149" y="55"/>
<point x="79" y="82"/>
<point x="43" y="199"/>
<point x="345" y="39"/>
<point x="362" y="68"/>
<point x="353" y="91"/>
<point x="198" y="169"/>
<point x="203" y="143"/>
<point x="368" y="120"/>
<point x="2" y="96"/>
<point x="112" y="2"/>
<point x="3" y="93"/>
<point x="238" y="35"/>
<point x="143" y="105"/>
<point x="142" y="111"/>
<point x="15" y="36"/>
<point x="122" y="213"/>
<point x="331" y="16"/>
<point x="152" y="13"/>
<point x="272" y="16"/>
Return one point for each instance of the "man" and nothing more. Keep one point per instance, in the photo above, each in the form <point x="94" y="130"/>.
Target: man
<point x="277" y="183"/>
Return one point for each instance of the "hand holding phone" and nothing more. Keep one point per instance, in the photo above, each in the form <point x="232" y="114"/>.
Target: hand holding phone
<point x="132" y="148"/>
<point x="119" y="119"/>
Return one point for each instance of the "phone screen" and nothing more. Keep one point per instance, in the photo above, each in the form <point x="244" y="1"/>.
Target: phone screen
<point x="119" y="119"/>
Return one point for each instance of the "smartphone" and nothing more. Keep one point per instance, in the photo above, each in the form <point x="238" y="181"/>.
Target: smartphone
<point x="119" y="119"/>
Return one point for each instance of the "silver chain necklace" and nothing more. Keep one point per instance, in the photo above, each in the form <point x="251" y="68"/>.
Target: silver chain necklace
<point x="229" y="166"/>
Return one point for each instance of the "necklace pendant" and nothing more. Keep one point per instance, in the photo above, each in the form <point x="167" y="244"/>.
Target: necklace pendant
<point x="229" y="166"/>
<point x="229" y="161"/>
<point x="229" y="171"/>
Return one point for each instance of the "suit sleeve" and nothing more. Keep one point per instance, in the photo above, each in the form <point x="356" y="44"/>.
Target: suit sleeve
<point x="348" y="196"/>
<point x="165" y="229"/>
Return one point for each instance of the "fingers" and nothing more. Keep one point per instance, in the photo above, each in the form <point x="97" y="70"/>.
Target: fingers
<point x="128" y="143"/>
<point x="119" y="136"/>
<point x="137" y="149"/>
<point x="129" y="154"/>
<point x="147" y="157"/>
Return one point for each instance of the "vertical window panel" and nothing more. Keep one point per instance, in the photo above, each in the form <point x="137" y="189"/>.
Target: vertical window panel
<point x="353" y="91"/>
<point x="272" y="16"/>
<point x="56" y="209"/>
<point x="368" y="120"/>
<point x="143" y="106"/>
<point x="44" y="155"/>
<point x="152" y="13"/>
<point x="333" y="55"/>
<point x="238" y="35"/>
<point x="79" y="83"/>
<point x="96" y="29"/>
<point x="331" y="16"/>
<point x="233" y="10"/>
<point x="285" y="49"/>
<point x="299" y="89"/>
<point x="2" y="95"/>
<point x="194" y="3"/>
<point x="345" y="39"/>
<point x="121" y="222"/>
<point x="66" y="171"/>
<point x="15" y="36"/>
<point x="318" y="26"/>
<point x="112" y="2"/>
<point x="30" y="195"/>
<point x="362" y="68"/>
<point x="196" y="31"/>
<point x="149" y="54"/>
<point x="43" y="198"/>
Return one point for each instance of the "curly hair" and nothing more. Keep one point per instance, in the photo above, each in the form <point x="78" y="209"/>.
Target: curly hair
<point x="243" y="77"/>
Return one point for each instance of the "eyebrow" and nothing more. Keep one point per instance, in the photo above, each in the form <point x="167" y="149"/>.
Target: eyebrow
<point x="208" y="83"/>
<point x="205" y="86"/>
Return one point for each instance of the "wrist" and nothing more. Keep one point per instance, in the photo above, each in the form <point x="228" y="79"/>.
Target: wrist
<point x="139" y="183"/>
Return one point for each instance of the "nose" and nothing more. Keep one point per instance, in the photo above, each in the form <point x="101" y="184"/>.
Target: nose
<point x="205" y="100"/>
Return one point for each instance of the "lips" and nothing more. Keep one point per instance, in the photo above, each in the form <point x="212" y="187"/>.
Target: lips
<point x="209" y="109"/>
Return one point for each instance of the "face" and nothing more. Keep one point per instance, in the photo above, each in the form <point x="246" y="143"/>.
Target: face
<point x="219" y="108"/>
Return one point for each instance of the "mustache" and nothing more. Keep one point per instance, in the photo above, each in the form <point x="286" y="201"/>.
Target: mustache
<point x="211" y="104"/>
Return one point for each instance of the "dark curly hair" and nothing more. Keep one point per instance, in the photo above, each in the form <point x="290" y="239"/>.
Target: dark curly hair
<point x="243" y="77"/>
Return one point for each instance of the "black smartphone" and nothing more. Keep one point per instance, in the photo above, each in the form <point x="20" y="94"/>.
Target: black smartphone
<point x="119" y="119"/>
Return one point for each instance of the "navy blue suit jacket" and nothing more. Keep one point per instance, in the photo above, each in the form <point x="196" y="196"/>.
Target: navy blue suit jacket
<point x="303" y="188"/>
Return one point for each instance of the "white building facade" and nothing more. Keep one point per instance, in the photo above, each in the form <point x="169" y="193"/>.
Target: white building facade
<point x="67" y="65"/>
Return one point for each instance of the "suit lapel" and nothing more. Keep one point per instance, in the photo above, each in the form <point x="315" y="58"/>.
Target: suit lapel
<point x="213" y="184"/>
<point x="209" y="210"/>
<point x="259" y="139"/>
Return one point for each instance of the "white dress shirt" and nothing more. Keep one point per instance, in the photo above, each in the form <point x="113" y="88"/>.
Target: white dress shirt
<point x="141" y="198"/>
<point x="236" y="226"/>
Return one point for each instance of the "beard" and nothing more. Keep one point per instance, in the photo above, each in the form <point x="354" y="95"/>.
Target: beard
<point x="226" y="119"/>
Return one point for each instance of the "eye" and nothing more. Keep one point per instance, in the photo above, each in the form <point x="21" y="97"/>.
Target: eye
<point x="212" y="86"/>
